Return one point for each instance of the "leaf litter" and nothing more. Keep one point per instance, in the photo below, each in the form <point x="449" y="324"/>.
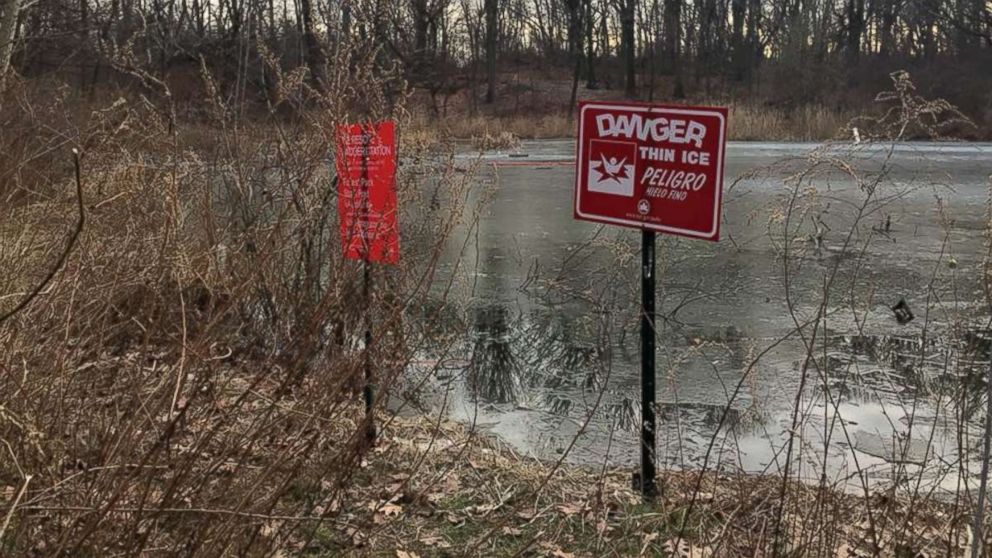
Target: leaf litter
<point x="471" y="496"/>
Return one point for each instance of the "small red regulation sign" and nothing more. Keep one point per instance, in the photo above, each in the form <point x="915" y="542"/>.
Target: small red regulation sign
<point x="651" y="167"/>
<point x="366" y="165"/>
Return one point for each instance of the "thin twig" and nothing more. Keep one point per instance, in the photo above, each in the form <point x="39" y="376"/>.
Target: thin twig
<point x="65" y="253"/>
<point x="17" y="500"/>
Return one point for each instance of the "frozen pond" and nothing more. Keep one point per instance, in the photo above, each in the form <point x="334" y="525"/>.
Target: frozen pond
<point x="792" y="307"/>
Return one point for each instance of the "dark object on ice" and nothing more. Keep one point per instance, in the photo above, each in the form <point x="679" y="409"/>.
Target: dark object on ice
<point x="903" y="314"/>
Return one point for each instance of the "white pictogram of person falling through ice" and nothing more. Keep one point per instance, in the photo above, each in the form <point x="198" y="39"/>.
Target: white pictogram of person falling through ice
<point x="612" y="173"/>
<point x="612" y="170"/>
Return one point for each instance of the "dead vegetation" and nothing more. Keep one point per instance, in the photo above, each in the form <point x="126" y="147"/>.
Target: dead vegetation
<point x="433" y="488"/>
<point x="748" y="122"/>
<point x="180" y="357"/>
<point x="193" y="355"/>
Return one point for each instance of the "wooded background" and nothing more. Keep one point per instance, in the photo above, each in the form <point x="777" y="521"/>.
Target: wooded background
<point x="786" y="52"/>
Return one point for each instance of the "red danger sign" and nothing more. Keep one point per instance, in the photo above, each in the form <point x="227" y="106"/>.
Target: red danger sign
<point x="365" y="161"/>
<point x="651" y="167"/>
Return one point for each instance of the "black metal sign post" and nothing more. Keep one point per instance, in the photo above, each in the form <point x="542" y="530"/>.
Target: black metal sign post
<point x="648" y="486"/>
<point x="625" y="176"/>
<point x="366" y="165"/>
<point x="368" y="392"/>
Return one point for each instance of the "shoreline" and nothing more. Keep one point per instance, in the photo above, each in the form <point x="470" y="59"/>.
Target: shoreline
<point x="470" y="494"/>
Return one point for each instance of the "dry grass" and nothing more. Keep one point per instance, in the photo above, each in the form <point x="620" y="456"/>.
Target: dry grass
<point x="523" y="126"/>
<point x="187" y="384"/>
<point x="748" y="122"/>
<point x="531" y="105"/>
<point x="195" y="359"/>
<point x="498" y="130"/>
<point x="438" y="488"/>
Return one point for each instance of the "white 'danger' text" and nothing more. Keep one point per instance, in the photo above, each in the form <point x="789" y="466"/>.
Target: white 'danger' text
<point x="672" y="130"/>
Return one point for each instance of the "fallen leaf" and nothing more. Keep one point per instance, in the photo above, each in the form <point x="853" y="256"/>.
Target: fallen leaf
<point x="435" y="497"/>
<point x="676" y="548"/>
<point x="570" y="509"/>
<point x="451" y="483"/>
<point x="386" y="511"/>
<point x="602" y="527"/>
<point x="482" y="509"/>
<point x="512" y="531"/>
<point x="405" y="554"/>
<point x="270" y="528"/>
<point x="356" y="536"/>
<point x="555" y="551"/>
<point x="526" y="514"/>
<point x="435" y="541"/>
<point x="391" y="509"/>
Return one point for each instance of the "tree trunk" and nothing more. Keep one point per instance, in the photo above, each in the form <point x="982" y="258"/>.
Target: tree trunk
<point x="604" y="45"/>
<point x="673" y="44"/>
<point x="628" y="10"/>
<point x="739" y="48"/>
<point x="8" y="28"/>
<point x="855" y="28"/>
<point x="574" y="28"/>
<point x="706" y="48"/>
<point x="654" y="39"/>
<point x="575" y="32"/>
<point x="312" y="53"/>
<point x="590" y="49"/>
<point x="754" y="47"/>
<point x="886" y="39"/>
<point x="673" y="21"/>
<point x="491" y="21"/>
<point x="84" y="32"/>
<point x="420" y="28"/>
<point x="345" y="20"/>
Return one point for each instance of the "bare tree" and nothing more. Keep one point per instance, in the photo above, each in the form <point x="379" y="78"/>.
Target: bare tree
<point x="491" y="46"/>
<point x="313" y="54"/>
<point x="8" y="29"/>
<point x="627" y="11"/>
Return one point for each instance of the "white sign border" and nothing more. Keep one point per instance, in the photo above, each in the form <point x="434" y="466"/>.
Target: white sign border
<point x="641" y="224"/>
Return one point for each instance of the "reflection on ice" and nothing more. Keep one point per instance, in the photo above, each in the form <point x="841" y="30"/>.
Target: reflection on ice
<point x="547" y="332"/>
